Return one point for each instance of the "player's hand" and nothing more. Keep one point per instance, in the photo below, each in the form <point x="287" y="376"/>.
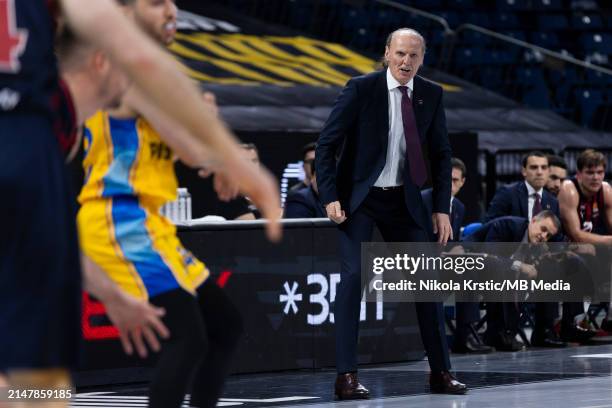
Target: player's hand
<point x="584" y="249"/>
<point x="225" y="188"/>
<point x="139" y="323"/>
<point x="335" y="212"/>
<point x="442" y="227"/>
<point x="263" y="192"/>
<point x="529" y="270"/>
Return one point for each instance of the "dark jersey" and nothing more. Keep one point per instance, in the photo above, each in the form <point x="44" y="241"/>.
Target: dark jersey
<point x="29" y="79"/>
<point x="591" y="211"/>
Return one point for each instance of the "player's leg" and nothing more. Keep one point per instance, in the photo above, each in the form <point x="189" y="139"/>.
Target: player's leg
<point x="224" y="328"/>
<point x="181" y="352"/>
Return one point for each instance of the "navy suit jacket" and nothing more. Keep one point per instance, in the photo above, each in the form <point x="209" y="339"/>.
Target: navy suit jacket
<point x="304" y="203"/>
<point x="503" y="229"/>
<point x="352" y="147"/>
<point x="457" y="211"/>
<point x="513" y="200"/>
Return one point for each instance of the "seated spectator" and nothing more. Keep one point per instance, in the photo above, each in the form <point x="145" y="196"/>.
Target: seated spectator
<point x="309" y="154"/>
<point x="305" y="203"/>
<point x="557" y="174"/>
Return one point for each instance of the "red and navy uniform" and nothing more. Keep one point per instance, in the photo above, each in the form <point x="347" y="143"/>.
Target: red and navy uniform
<point x="28" y="70"/>
<point x="591" y="211"/>
<point x="40" y="279"/>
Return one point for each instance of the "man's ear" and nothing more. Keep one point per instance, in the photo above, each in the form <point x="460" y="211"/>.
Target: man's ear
<point x="101" y="63"/>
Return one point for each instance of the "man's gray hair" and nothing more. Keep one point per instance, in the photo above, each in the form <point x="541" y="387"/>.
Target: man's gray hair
<point x="410" y="31"/>
<point x="551" y="215"/>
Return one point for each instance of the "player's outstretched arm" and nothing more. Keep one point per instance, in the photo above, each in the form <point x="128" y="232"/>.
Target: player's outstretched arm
<point x="160" y="80"/>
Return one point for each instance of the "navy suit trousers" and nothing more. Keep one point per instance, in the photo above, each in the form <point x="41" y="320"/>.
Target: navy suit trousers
<point x="387" y="210"/>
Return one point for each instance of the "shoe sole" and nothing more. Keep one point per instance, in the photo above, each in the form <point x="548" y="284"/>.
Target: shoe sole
<point x="339" y="398"/>
<point x="438" y="391"/>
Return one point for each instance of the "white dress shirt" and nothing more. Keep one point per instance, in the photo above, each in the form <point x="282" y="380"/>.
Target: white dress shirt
<point x="391" y="174"/>
<point x="531" y="192"/>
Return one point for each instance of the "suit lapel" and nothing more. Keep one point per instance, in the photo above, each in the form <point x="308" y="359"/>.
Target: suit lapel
<point x="545" y="200"/>
<point x="417" y="104"/>
<point x="381" y="105"/>
<point x="523" y="199"/>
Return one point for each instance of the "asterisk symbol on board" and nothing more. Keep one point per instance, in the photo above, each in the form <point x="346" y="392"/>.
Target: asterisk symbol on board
<point x="290" y="298"/>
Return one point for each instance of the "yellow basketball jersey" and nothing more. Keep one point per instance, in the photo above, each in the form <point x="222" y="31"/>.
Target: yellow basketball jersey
<point x="126" y="157"/>
<point x="129" y="174"/>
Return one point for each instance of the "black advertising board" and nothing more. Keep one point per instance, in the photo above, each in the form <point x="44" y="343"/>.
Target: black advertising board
<point x="286" y="295"/>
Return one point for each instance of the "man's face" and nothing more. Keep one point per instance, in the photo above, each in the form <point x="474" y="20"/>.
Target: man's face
<point x="540" y="230"/>
<point x="555" y="178"/>
<point x="307" y="165"/>
<point x="404" y="56"/>
<point x="157" y="18"/>
<point x="536" y="171"/>
<point x="457" y="181"/>
<point x="591" y="178"/>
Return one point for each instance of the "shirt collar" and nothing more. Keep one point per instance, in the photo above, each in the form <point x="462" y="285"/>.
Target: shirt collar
<point x="531" y="191"/>
<point x="392" y="83"/>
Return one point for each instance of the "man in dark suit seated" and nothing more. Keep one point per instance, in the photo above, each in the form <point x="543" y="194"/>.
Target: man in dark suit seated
<point x="308" y="152"/>
<point x="305" y="202"/>
<point x="518" y="229"/>
<point x="371" y="162"/>
<point x="457" y="209"/>
<point x="466" y="340"/>
<point x="541" y="228"/>
<point x="525" y="199"/>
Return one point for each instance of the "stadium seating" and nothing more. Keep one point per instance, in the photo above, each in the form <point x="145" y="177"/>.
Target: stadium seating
<point x="577" y="28"/>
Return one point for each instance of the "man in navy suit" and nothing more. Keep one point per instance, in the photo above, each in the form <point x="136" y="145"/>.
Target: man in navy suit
<point x="305" y="203"/>
<point x="457" y="209"/>
<point x="371" y="160"/>
<point x="525" y="199"/>
<point x="541" y="228"/>
<point x="522" y="198"/>
<point x="465" y="340"/>
<point x="518" y="229"/>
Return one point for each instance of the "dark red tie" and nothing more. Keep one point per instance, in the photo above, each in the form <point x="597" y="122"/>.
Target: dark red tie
<point x="414" y="155"/>
<point x="537" y="206"/>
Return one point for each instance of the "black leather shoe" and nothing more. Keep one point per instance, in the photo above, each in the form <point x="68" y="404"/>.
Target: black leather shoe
<point x="348" y="387"/>
<point x="577" y="334"/>
<point x="505" y="341"/>
<point x="547" y="338"/>
<point x="444" y="382"/>
<point x="471" y="345"/>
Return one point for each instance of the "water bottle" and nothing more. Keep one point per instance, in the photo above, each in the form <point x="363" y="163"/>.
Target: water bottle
<point x="173" y="211"/>
<point x="182" y="210"/>
<point x="187" y="206"/>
